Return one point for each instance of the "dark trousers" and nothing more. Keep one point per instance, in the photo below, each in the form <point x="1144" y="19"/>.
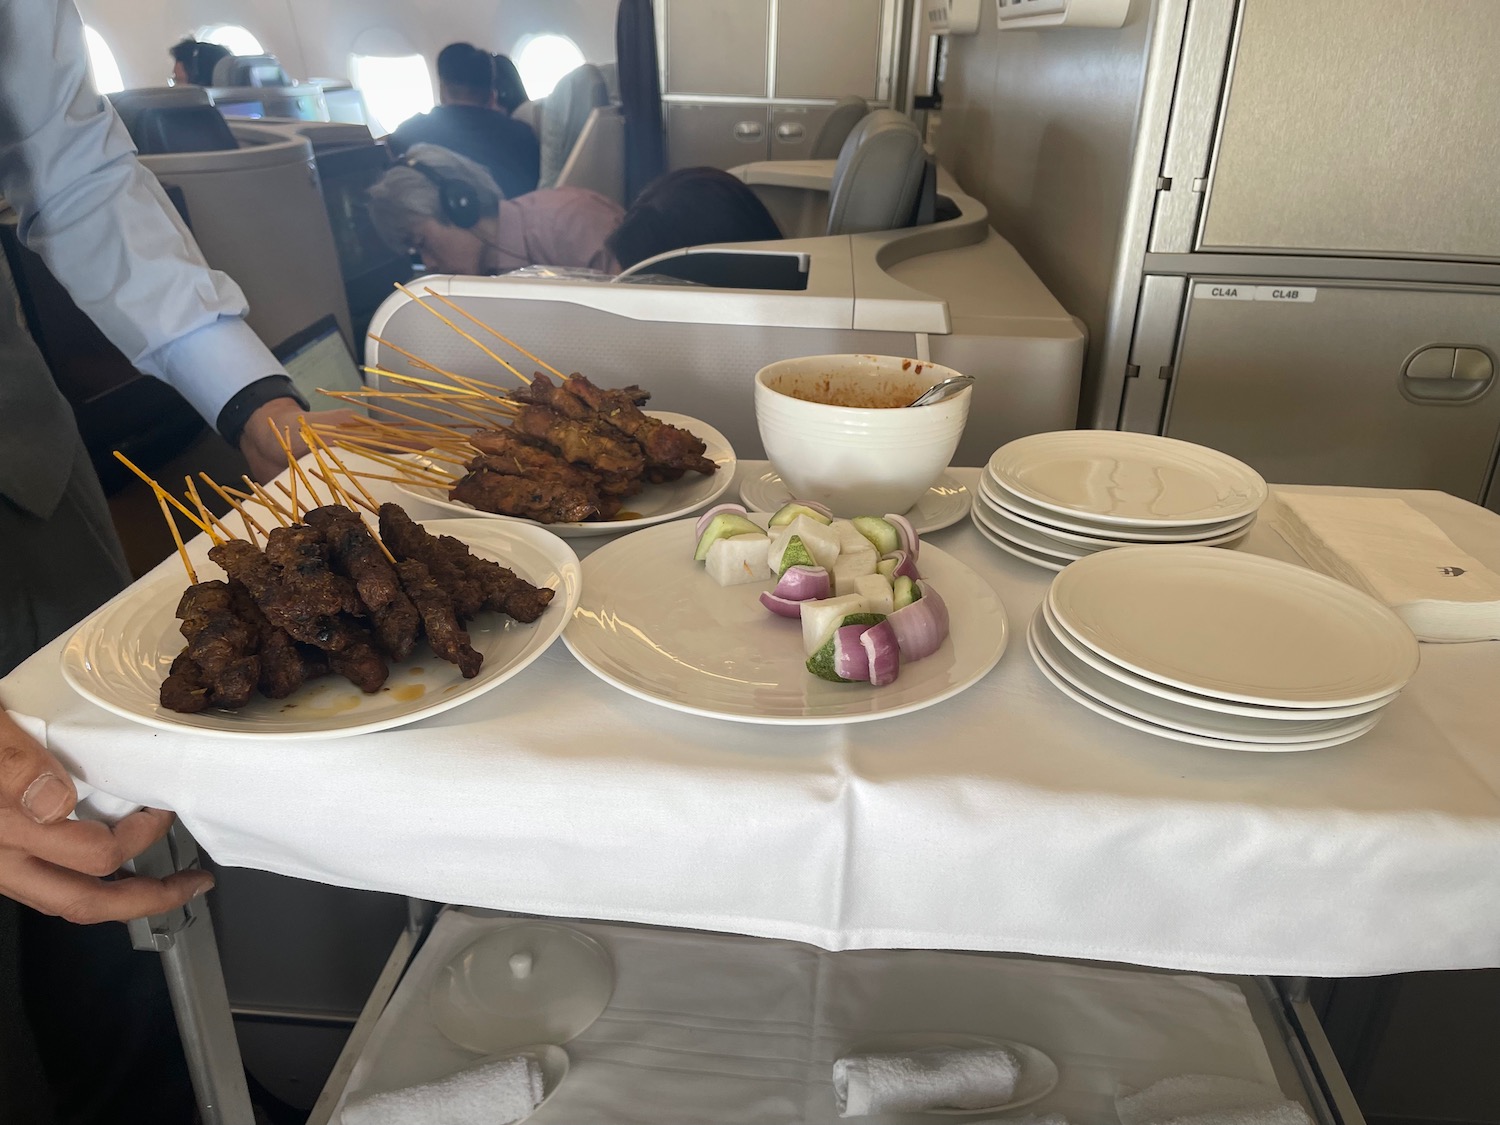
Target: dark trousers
<point x="86" y="1026"/>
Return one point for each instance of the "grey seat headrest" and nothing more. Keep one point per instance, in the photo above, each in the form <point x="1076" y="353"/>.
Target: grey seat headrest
<point x="878" y="176"/>
<point x="847" y="112"/>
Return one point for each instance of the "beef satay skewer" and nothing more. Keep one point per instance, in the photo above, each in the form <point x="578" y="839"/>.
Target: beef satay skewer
<point x="319" y="447"/>
<point x="467" y="336"/>
<point x="166" y="514"/>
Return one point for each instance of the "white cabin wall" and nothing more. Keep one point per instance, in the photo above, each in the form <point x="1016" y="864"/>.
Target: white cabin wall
<point x="314" y="37"/>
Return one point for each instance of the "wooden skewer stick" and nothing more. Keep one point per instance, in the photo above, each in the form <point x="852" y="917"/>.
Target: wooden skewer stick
<point x="453" y="455"/>
<point x="457" y="387"/>
<point x="503" y="339"/>
<point x="467" y="336"/>
<point x="471" y="398"/>
<point x="478" y="387"/>
<point x="313" y="435"/>
<point x="422" y="400"/>
<point x="213" y="522"/>
<point x="166" y="514"/>
<point x="138" y="471"/>
<point x="291" y="494"/>
<point x="249" y="520"/>
<point x="411" y="471"/>
<point x="285" y="441"/>
<point x="349" y="500"/>
<point x="343" y="396"/>
<point x="283" y="517"/>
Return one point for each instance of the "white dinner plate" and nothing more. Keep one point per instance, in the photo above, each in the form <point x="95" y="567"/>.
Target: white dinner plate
<point x="655" y="625"/>
<point x="1036" y="558"/>
<point x="998" y="521"/>
<point x="1092" y="659"/>
<point x="942" y="505"/>
<point x="119" y="656"/>
<point x="1059" y="681"/>
<point x="1234" y="625"/>
<point x="1037" y="1078"/>
<point x="1182" y="716"/>
<point x="1054" y="523"/>
<point x="1130" y="479"/>
<point x="657" y="503"/>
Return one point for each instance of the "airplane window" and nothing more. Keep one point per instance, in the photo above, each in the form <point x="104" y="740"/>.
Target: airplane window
<point x="238" y="40"/>
<point x="543" y="59"/>
<point x="102" y="66"/>
<point x="394" y="88"/>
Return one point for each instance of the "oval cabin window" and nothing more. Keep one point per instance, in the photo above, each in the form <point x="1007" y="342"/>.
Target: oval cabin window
<point x="102" y="66"/>
<point x="543" y="59"/>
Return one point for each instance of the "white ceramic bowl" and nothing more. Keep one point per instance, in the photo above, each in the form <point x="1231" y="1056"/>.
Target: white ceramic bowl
<point x="859" y="460"/>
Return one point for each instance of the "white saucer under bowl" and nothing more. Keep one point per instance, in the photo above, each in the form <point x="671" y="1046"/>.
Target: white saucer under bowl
<point x="943" y="505"/>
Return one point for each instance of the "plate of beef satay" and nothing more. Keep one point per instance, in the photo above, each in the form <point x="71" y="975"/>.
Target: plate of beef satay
<point x="329" y="622"/>
<point x="557" y="450"/>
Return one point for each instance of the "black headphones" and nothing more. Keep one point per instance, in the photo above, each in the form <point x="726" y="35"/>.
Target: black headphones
<point x="460" y="206"/>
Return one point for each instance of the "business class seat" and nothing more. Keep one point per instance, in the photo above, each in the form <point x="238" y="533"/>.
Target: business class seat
<point x="877" y="181"/>
<point x="846" y="114"/>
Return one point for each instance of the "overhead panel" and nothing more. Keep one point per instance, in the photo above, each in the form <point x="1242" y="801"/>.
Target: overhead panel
<point x="828" y="49"/>
<point x="717" y="47"/>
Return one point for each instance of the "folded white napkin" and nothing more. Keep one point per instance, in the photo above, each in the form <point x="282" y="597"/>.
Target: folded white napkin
<point x="1205" y="1099"/>
<point x="931" y="1078"/>
<point x="496" y="1092"/>
<point x="1393" y="552"/>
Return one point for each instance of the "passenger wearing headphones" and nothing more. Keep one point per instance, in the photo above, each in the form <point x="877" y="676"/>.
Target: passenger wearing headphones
<point x="449" y="211"/>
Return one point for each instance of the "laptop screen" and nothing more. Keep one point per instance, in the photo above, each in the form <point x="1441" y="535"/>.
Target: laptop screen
<point x="318" y="359"/>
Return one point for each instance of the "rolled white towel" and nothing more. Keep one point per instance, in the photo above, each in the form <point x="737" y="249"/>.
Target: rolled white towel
<point x="496" y="1092"/>
<point x="931" y="1078"/>
<point x="1205" y="1099"/>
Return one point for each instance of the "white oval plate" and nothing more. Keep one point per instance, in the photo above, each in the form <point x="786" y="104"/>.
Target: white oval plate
<point x="657" y="503"/>
<point x="1182" y="716"/>
<point x="1118" y="477"/>
<point x="943" y="505"/>
<point x="1093" y="660"/>
<point x="119" y="656"/>
<point x="655" y="625"/>
<point x="997" y="520"/>
<point x="1235" y="626"/>
<point x="1053" y="523"/>
<point x="1061" y="682"/>
<point x="1038" y="1076"/>
<point x="1049" y="562"/>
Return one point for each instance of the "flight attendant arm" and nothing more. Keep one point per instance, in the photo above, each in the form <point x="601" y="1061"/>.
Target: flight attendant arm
<point x="108" y="233"/>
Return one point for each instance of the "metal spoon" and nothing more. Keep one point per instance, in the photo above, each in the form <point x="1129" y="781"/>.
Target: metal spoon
<point x="939" y="391"/>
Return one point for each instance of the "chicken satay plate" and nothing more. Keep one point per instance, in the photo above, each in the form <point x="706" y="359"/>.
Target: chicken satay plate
<point x="121" y="657"/>
<point x="653" y="504"/>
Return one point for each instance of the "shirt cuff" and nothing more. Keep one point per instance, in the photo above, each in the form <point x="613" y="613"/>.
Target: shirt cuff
<point x="236" y="413"/>
<point x="212" y="364"/>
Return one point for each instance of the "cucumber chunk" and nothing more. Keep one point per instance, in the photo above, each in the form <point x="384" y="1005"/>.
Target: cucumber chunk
<point x="882" y="534"/>
<point x="788" y="512"/>
<point x="722" y="526"/>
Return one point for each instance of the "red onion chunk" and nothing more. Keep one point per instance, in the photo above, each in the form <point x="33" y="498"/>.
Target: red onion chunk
<point x="782" y="607"/>
<point x="882" y="653"/>
<point x="703" y="521"/>
<point x="922" y="626"/>
<point x="906" y="565"/>
<point x="804" y="584"/>
<point x="909" y="541"/>
<point x="849" y="658"/>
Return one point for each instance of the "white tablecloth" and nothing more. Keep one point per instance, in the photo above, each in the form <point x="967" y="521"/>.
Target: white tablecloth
<point x="1007" y="818"/>
<point x="704" y="1027"/>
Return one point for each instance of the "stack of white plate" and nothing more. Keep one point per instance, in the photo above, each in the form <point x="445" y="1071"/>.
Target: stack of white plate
<point x="1221" y="648"/>
<point x="1055" y="497"/>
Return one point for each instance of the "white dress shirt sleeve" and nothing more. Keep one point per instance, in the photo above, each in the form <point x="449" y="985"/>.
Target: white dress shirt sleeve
<point x="103" y="224"/>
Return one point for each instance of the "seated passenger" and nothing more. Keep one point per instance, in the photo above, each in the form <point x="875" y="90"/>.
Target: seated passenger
<point x="466" y="123"/>
<point x="690" y="207"/>
<point x="447" y="209"/>
<point x="193" y="62"/>
<point x="510" y="91"/>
